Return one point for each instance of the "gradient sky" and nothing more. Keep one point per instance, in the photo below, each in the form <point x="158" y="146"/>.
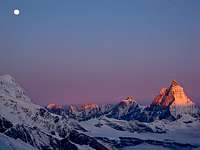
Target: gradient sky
<point x="99" y="51"/>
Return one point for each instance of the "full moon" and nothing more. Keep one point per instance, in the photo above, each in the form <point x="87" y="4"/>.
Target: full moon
<point x="16" y="12"/>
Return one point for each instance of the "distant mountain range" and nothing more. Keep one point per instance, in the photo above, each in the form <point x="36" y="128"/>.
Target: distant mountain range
<point x="25" y="125"/>
<point x="170" y="103"/>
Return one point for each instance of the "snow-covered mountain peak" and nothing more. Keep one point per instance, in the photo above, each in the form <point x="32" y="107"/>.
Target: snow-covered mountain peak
<point x="126" y="109"/>
<point x="10" y="89"/>
<point x="7" y="78"/>
<point x="18" y="108"/>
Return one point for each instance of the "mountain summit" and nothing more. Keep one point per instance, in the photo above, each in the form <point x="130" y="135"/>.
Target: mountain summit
<point x="128" y="100"/>
<point x="10" y="89"/>
<point x="174" y="95"/>
<point x="175" y="99"/>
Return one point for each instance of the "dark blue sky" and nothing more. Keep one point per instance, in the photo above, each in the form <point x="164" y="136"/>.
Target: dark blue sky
<point x="99" y="51"/>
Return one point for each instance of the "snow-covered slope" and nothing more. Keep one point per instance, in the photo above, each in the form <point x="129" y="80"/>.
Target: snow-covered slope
<point x="17" y="107"/>
<point x="7" y="143"/>
<point x="183" y="133"/>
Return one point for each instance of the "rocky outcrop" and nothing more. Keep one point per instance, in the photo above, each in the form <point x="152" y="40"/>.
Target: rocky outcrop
<point x="4" y="124"/>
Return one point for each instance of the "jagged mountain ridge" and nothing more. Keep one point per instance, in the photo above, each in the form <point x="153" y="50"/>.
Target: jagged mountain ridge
<point x="80" y="112"/>
<point x="125" y="107"/>
<point x="169" y="104"/>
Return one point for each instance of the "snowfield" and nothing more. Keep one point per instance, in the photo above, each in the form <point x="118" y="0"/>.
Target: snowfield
<point x="177" y="131"/>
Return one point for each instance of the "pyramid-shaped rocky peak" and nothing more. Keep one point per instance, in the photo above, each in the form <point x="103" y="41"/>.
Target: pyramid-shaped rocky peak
<point x="172" y="96"/>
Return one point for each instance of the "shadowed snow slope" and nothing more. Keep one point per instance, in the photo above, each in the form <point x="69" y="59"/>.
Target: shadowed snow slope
<point x="7" y="143"/>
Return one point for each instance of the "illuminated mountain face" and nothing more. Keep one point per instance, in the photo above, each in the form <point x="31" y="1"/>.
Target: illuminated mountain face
<point x="172" y="96"/>
<point x="54" y="106"/>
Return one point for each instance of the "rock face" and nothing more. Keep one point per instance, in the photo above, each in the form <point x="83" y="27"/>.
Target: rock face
<point x="174" y="96"/>
<point x="4" y="124"/>
<point x="174" y="99"/>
